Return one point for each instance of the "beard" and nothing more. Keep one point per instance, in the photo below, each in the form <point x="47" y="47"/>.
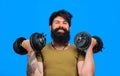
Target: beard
<point x="59" y="37"/>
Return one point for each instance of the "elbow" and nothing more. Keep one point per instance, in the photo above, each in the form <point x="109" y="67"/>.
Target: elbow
<point x="86" y="73"/>
<point x="80" y="73"/>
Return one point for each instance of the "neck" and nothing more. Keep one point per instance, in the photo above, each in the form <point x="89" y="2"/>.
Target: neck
<point x="59" y="46"/>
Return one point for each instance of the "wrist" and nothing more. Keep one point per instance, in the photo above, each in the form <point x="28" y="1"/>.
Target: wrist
<point x="31" y="53"/>
<point x="89" y="51"/>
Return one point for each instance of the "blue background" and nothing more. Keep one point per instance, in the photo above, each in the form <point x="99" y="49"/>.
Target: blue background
<point x="24" y="17"/>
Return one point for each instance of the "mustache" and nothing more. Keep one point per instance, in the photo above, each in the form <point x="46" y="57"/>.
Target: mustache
<point x="60" y="28"/>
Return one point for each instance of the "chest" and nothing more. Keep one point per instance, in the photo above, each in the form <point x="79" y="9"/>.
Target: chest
<point x="66" y="58"/>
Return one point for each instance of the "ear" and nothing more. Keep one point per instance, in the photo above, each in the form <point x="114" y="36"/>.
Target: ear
<point x="50" y="27"/>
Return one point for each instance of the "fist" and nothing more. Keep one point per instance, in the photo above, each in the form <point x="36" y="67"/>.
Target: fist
<point x="93" y="43"/>
<point x="26" y="45"/>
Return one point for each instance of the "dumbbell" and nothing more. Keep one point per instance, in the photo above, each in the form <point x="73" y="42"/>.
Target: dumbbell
<point x="83" y="40"/>
<point x="37" y="42"/>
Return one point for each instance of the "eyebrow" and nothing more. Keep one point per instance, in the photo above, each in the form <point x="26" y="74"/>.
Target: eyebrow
<point x="60" y="21"/>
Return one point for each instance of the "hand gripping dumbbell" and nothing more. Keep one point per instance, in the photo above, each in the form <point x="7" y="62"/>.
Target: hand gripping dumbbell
<point x="37" y="42"/>
<point x="83" y="40"/>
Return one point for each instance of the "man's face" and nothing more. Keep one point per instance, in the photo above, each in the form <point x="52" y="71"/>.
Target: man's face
<point x="59" y="22"/>
<point x="60" y="30"/>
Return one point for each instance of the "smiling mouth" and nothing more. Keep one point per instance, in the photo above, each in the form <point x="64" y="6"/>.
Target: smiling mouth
<point x="61" y="30"/>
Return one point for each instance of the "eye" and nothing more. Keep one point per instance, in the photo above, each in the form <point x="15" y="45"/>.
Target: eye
<point x="56" y="22"/>
<point x="65" y="22"/>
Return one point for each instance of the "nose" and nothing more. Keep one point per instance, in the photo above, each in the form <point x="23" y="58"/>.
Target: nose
<point x="61" y="24"/>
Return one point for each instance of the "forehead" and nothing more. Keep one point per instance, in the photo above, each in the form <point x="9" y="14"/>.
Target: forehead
<point x="59" y="18"/>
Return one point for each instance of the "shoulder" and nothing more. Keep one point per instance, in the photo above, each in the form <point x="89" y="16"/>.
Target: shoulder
<point x="80" y="53"/>
<point x="72" y="46"/>
<point x="47" y="46"/>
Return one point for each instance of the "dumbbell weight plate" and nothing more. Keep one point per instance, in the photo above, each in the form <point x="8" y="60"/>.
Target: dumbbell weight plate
<point x="37" y="41"/>
<point x="17" y="46"/>
<point x="98" y="47"/>
<point x="82" y="40"/>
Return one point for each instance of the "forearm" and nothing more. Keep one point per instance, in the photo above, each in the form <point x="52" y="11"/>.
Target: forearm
<point x="88" y="65"/>
<point x="35" y="68"/>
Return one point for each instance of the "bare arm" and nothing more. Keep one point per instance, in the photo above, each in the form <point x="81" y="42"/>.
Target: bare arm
<point x="86" y="67"/>
<point x="35" y="68"/>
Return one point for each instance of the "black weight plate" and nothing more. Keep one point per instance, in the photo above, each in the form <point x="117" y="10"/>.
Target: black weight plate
<point x="37" y="41"/>
<point x="82" y="40"/>
<point x="98" y="47"/>
<point x="17" y="46"/>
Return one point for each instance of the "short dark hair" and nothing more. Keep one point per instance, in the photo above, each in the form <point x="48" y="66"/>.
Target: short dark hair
<point x="62" y="13"/>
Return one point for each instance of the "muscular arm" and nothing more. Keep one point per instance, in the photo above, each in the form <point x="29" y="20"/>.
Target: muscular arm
<point x="86" y="67"/>
<point x="35" y="68"/>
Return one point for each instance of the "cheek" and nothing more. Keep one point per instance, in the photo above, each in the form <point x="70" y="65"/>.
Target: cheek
<point x="54" y="26"/>
<point x="67" y="27"/>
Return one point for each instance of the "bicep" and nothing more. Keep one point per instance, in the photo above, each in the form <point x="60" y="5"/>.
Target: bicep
<point x="80" y="66"/>
<point x="40" y="65"/>
<point x="35" y="69"/>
